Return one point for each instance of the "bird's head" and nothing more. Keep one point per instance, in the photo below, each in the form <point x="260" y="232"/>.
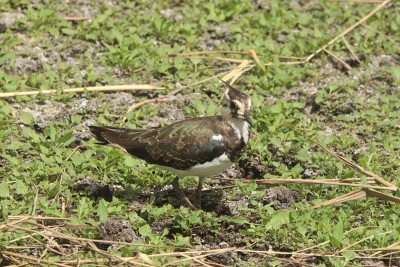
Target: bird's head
<point x="236" y="105"/>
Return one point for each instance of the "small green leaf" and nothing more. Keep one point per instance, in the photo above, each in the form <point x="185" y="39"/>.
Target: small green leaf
<point x="44" y="150"/>
<point x="31" y="134"/>
<point x="83" y="207"/>
<point x="337" y="235"/>
<point x="145" y="231"/>
<point x="55" y="188"/>
<point x="26" y="118"/>
<point x="6" y="108"/>
<point x="12" y="160"/>
<point x="69" y="31"/>
<point x="181" y="241"/>
<point x="350" y="255"/>
<point x="129" y="161"/>
<point x="4" y="190"/>
<point x="102" y="210"/>
<point x="66" y="139"/>
<point x="4" y="58"/>
<point x="21" y="187"/>
<point x="278" y="220"/>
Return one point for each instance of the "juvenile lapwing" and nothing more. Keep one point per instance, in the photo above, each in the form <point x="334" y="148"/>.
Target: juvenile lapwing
<point x="194" y="147"/>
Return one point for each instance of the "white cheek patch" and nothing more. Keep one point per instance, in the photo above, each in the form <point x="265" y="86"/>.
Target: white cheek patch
<point x="217" y="138"/>
<point x="226" y="94"/>
<point x="240" y="107"/>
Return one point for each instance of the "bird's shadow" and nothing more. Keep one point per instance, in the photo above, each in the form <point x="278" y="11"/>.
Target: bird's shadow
<point x="212" y="200"/>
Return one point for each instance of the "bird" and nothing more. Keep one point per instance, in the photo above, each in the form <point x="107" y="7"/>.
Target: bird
<point x="201" y="146"/>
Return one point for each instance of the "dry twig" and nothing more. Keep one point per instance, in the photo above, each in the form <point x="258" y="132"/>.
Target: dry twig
<point x="109" y="88"/>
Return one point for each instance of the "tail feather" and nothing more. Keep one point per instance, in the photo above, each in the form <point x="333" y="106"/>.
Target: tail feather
<point x="96" y="131"/>
<point x="112" y="135"/>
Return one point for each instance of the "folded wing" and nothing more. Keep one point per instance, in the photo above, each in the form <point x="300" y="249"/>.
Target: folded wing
<point x="179" y="145"/>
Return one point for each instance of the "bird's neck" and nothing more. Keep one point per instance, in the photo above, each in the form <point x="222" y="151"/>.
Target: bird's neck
<point x="242" y="128"/>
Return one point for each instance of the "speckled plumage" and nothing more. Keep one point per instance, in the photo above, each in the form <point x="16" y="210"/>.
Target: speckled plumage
<point x="180" y="145"/>
<point x="198" y="146"/>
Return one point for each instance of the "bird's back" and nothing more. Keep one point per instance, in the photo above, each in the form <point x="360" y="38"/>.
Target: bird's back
<point x="180" y="145"/>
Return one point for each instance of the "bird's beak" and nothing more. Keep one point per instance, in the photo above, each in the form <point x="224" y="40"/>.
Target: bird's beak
<point x="248" y="119"/>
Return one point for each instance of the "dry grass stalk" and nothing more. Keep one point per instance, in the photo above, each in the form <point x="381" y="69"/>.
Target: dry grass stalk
<point x="8" y="225"/>
<point x="360" y="169"/>
<point x="189" y="54"/>
<point x="390" y="248"/>
<point x="31" y="236"/>
<point x="232" y="74"/>
<point x="203" y="255"/>
<point x="304" y="181"/>
<point x="354" y="195"/>
<point x="73" y="152"/>
<point x="348" y="30"/>
<point x="77" y="18"/>
<point x="109" y="88"/>
<point x="393" y="245"/>
<point x="285" y="253"/>
<point x="389" y="257"/>
<point x="197" y="258"/>
<point x="316" y="182"/>
<point x="158" y="99"/>
<point x="286" y="63"/>
<point x="236" y="72"/>
<point x="328" y="241"/>
<point x="386" y="255"/>
<point x="200" y="262"/>
<point x="348" y="46"/>
<point x="309" y="57"/>
<point x="33" y="260"/>
<point x="384" y="35"/>
<point x="162" y="98"/>
<point x="347" y="66"/>
<point x="289" y="57"/>
<point x="240" y="73"/>
<point x="373" y="193"/>
<point x="362" y="240"/>
<point x="253" y="54"/>
<point x="48" y="232"/>
<point x="233" y="60"/>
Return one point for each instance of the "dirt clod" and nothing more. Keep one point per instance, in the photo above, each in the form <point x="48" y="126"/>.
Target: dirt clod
<point x="159" y="226"/>
<point x="281" y="197"/>
<point x="95" y="189"/>
<point x="117" y="229"/>
<point x="217" y="201"/>
<point x="252" y="168"/>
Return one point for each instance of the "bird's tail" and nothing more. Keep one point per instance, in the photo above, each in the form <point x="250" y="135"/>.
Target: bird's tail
<point x="113" y="135"/>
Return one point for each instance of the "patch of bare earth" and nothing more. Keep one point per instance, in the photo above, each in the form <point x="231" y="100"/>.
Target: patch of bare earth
<point x="116" y="229"/>
<point x="280" y="197"/>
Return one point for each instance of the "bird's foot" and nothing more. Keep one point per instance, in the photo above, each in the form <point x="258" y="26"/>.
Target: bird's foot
<point x="189" y="203"/>
<point x="193" y="205"/>
<point x="196" y="199"/>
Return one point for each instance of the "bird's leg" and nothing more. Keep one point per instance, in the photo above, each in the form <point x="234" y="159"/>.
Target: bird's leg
<point x="198" y="191"/>
<point x="181" y="195"/>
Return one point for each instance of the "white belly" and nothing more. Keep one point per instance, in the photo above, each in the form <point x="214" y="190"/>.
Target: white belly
<point x="206" y="169"/>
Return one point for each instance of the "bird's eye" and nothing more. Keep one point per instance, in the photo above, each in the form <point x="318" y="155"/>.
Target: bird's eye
<point x="233" y="105"/>
<point x="225" y="105"/>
